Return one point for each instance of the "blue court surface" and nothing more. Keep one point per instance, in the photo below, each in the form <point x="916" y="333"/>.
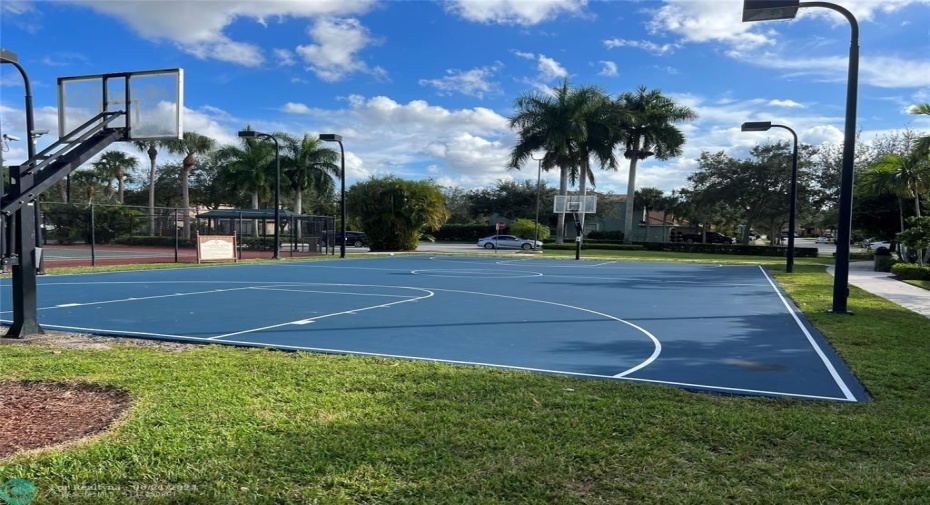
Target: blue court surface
<point x="712" y="328"/>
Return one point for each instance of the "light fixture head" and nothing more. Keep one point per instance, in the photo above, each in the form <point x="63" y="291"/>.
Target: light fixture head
<point x="766" y="10"/>
<point x="8" y="56"/>
<point x="756" y="126"/>
<point x="248" y="134"/>
<point x="330" y="137"/>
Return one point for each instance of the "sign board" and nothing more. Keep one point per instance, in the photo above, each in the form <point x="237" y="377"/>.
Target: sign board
<point x="501" y="225"/>
<point x="216" y="248"/>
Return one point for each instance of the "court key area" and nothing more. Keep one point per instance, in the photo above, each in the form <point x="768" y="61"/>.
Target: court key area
<point x="710" y="328"/>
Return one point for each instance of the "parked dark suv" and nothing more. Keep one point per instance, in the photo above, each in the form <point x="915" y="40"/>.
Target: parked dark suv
<point x="712" y="238"/>
<point x="353" y="238"/>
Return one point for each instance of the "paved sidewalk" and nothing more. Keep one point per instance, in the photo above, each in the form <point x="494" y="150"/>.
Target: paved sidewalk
<point x="863" y="275"/>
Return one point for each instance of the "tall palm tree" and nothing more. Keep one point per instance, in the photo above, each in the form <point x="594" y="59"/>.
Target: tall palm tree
<point x="560" y="125"/>
<point x="651" y="132"/>
<point x="89" y="179"/>
<point x="116" y="165"/>
<point x="903" y="176"/>
<point x="151" y="149"/>
<point x="923" y="143"/>
<point x="249" y="168"/>
<point x="192" y="144"/>
<point x="308" y="164"/>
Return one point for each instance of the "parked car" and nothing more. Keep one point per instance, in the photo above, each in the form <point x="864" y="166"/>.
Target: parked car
<point x="508" y="242"/>
<point x="353" y="238"/>
<point x="712" y="238"/>
<point x="875" y="244"/>
<point x="822" y="240"/>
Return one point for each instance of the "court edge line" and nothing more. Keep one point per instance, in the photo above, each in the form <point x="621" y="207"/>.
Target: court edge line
<point x="273" y="288"/>
<point x="456" y="362"/>
<point x="134" y="298"/>
<point x="810" y="338"/>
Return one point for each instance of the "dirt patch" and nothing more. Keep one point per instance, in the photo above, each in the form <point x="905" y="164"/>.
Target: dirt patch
<point x="64" y="340"/>
<point x="39" y="415"/>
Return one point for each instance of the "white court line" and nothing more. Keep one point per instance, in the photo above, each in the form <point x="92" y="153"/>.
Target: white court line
<point x="312" y="319"/>
<point x="325" y="292"/>
<point x="459" y="362"/>
<point x="810" y="338"/>
<point x="135" y="298"/>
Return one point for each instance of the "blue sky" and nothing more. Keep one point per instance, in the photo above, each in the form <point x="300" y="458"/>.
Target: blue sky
<point x="423" y="88"/>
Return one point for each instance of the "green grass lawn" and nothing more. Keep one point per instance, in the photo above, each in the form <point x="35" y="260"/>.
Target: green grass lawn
<point x="219" y="425"/>
<point x="920" y="284"/>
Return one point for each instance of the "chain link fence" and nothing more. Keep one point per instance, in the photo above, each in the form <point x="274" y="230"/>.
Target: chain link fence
<point x="75" y="234"/>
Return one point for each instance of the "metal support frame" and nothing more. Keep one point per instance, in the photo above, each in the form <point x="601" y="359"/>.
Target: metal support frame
<point x="332" y="137"/>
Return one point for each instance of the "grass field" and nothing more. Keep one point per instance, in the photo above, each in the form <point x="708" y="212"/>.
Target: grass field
<point x="219" y="425"/>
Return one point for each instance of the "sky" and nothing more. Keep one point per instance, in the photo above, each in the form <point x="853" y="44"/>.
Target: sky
<point x="424" y="89"/>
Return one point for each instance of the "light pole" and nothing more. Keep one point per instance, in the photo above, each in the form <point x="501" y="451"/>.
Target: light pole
<point x="251" y="134"/>
<point x="25" y="301"/>
<point x="538" y="182"/>
<point x="762" y="126"/>
<point x="761" y="10"/>
<point x="332" y="137"/>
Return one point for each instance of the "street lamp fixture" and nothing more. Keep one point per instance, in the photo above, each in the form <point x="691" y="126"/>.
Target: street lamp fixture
<point x="252" y="134"/>
<point x="762" y="126"/>
<point x="759" y="10"/>
<point x="333" y="137"/>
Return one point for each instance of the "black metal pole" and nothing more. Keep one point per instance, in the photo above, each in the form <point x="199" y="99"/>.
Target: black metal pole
<point x="342" y="158"/>
<point x="25" y="303"/>
<point x="844" y="227"/>
<point x="277" y="198"/>
<point x="93" y="237"/>
<point x="793" y="203"/>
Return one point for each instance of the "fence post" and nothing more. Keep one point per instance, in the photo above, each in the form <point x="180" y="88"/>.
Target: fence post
<point x="239" y="230"/>
<point x="176" y="235"/>
<point x="93" y="237"/>
<point x="130" y="228"/>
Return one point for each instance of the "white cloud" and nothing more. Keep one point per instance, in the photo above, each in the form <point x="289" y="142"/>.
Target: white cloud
<point x="198" y="27"/>
<point x="550" y="69"/>
<point x="709" y="20"/>
<point x="295" y="108"/>
<point x="525" y="55"/>
<point x="475" y="82"/>
<point x="285" y="57"/>
<point x="791" y="104"/>
<point x="608" y="69"/>
<point x="879" y="71"/>
<point x="514" y="12"/>
<point x="333" y="56"/>
<point x="645" y="45"/>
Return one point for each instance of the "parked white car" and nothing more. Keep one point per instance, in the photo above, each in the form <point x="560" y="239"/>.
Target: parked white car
<point x="508" y="242"/>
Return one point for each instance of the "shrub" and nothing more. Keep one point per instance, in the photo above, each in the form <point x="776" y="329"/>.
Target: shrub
<point x="606" y="235"/>
<point x="734" y="249"/>
<point x="154" y="241"/>
<point x="524" y="228"/>
<point x="911" y="272"/>
<point x="883" y="263"/>
<point x="464" y="232"/>
<point x="570" y="246"/>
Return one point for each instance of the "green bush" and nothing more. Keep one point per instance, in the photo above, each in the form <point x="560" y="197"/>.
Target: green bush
<point x="606" y="235"/>
<point x="910" y="272"/>
<point x="570" y="246"/>
<point x="526" y="228"/>
<point x="154" y="241"/>
<point x="734" y="249"/>
<point x="463" y="232"/>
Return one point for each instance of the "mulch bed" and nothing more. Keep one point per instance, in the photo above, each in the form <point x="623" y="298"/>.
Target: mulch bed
<point x="42" y="414"/>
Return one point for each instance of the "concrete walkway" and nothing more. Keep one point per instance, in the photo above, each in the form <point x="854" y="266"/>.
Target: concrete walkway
<point x="862" y="274"/>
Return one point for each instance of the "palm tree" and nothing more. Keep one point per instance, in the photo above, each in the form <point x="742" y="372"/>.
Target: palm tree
<point x="669" y="206"/>
<point x="651" y="132"/>
<point x="308" y="164"/>
<point x="923" y="143"/>
<point x="89" y="179"/>
<point x="903" y="176"/>
<point x="116" y="165"/>
<point x="150" y="148"/>
<point x="568" y="126"/>
<point x="191" y="145"/>
<point x="249" y="168"/>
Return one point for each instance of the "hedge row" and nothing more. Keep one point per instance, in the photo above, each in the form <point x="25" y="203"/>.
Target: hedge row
<point x="570" y="246"/>
<point x="911" y="272"/>
<point x="734" y="249"/>
<point x="464" y="232"/>
<point x="154" y="241"/>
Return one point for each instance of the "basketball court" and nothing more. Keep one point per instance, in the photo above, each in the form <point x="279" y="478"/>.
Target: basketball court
<point x="711" y="328"/>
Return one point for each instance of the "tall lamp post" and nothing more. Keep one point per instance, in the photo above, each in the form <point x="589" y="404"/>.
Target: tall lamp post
<point x="762" y="10"/>
<point x="251" y="134"/>
<point x="762" y="126"/>
<point x="538" y="183"/>
<point x="332" y="137"/>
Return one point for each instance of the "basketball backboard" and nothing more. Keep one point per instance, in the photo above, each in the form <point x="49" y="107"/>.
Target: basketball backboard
<point x="153" y="101"/>
<point x="581" y="204"/>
